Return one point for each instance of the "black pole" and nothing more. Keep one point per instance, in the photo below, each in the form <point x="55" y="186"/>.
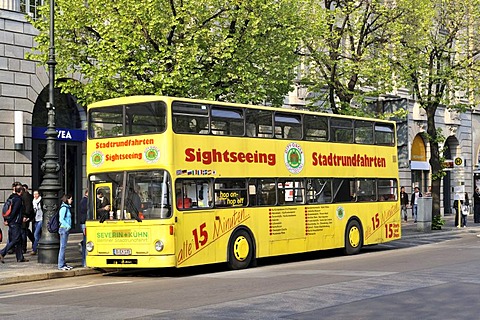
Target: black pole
<point x="49" y="243"/>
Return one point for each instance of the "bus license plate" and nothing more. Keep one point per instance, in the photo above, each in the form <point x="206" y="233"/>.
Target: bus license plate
<point x="122" y="252"/>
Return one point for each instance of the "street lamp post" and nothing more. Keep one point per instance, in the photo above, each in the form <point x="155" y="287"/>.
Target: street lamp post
<point x="49" y="243"/>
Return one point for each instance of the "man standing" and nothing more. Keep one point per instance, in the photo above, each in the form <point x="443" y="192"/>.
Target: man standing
<point x="27" y="198"/>
<point x="14" y="223"/>
<point x="13" y="193"/>
<point x="83" y="212"/>
<point x="404" y="202"/>
<point x="476" y="205"/>
<point x="414" y="202"/>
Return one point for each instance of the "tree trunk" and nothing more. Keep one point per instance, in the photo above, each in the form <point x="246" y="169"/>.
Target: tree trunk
<point x="434" y="159"/>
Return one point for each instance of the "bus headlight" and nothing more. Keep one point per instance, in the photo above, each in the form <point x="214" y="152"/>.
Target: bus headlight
<point x="89" y="246"/>
<point x="159" y="245"/>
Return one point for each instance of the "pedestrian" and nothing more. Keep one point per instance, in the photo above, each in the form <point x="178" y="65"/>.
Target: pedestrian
<point x="457" y="206"/>
<point x="82" y="215"/>
<point x="476" y="205"/>
<point x="404" y="202"/>
<point x="29" y="216"/>
<point x="37" y="229"/>
<point x="16" y="183"/>
<point x="465" y="210"/>
<point x="65" y="218"/>
<point x="414" y="203"/>
<point x="14" y="223"/>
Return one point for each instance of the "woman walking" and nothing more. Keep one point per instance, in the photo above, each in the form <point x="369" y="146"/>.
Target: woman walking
<point x="65" y="218"/>
<point x="37" y="227"/>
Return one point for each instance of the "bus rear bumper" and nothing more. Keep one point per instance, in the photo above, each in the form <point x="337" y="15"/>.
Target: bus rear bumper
<point x="119" y="262"/>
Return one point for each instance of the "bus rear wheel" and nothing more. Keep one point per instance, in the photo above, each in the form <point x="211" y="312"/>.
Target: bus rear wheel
<point x="240" y="251"/>
<point x="353" y="238"/>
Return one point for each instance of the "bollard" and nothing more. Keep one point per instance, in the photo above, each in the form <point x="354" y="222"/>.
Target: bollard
<point x="424" y="215"/>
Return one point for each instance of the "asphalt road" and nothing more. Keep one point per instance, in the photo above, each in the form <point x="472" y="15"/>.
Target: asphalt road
<point x="407" y="280"/>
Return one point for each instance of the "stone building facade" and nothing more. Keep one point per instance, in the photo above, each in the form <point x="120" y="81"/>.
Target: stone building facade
<point x="21" y="82"/>
<point x="23" y="113"/>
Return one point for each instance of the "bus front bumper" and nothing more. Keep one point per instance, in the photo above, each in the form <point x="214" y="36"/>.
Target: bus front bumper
<point x="118" y="262"/>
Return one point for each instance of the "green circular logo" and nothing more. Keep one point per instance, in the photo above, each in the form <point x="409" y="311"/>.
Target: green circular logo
<point x="97" y="158"/>
<point x="340" y="213"/>
<point x="294" y="158"/>
<point x="152" y="154"/>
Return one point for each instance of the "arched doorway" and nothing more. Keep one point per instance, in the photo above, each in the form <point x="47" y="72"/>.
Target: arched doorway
<point x="476" y="172"/>
<point x="449" y="153"/>
<point x="69" y="123"/>
<point x="447" y="183"/>
<point x="419" y="165"/>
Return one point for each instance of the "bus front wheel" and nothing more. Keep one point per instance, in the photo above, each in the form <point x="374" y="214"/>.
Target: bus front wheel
<point x="353" y="238"/>
<point x="240" y="251"/>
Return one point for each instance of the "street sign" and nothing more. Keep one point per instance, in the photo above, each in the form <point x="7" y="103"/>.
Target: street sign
<point x="449" y="164"/>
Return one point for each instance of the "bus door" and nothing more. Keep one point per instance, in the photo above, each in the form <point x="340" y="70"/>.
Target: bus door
<point x="196" y="221"/>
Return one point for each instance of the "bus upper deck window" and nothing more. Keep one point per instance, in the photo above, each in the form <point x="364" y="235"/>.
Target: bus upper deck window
<point x="127" y="120"/>
<point x="190" y="118"/>
<point x="341" y="130"/>
<point x="106" y="122"/>
<point x="363" y="132"/>
<point x="227" y="121"/>
<point x="288" y="126"/>
<point x="316" y="128"/>
<point x="145" y="118"/>
<point x="384" y="134"/>
<point x="259" y="123"/>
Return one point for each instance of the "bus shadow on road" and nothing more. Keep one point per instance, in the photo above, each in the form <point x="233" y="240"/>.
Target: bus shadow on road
<point x="222" y="267"/>
<point x="278" y="260"/>
<point x="411" y="242"/>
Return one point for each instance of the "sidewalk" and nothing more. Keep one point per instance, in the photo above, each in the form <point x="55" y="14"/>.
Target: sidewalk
<point x="410" y="229"/>
<point x="14" y="272"/>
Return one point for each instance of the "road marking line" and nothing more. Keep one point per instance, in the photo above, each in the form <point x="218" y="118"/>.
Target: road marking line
<point x="64" y="289"/>
<point x="259" y="274"/>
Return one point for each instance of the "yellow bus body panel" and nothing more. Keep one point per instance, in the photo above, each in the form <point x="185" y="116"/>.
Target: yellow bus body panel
<point x="275" y="230"/>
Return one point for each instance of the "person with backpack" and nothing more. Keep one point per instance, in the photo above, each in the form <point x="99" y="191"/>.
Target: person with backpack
<point x="14" y="222"/>
<point x="8" y="202"/>
<point x="65" y="218"/>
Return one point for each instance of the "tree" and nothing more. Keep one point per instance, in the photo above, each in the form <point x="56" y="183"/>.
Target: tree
<point x="242" y="51"/>
<point x="361" y="48"/>
<point x="346" y="48"/>
<point x="438" y="58"/>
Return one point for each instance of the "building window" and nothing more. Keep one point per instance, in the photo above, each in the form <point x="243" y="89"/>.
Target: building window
<point x="30" y="7"/>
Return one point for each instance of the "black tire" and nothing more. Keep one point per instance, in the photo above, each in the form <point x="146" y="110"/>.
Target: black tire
<point x="353" y="238"/>
<point x="240" y="250"/>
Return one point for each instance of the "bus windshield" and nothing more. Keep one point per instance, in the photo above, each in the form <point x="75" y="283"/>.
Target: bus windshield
<point x="126" y="195"/>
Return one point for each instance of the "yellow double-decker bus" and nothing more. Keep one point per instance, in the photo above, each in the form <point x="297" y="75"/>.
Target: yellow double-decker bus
<point x="179" y="182"/>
